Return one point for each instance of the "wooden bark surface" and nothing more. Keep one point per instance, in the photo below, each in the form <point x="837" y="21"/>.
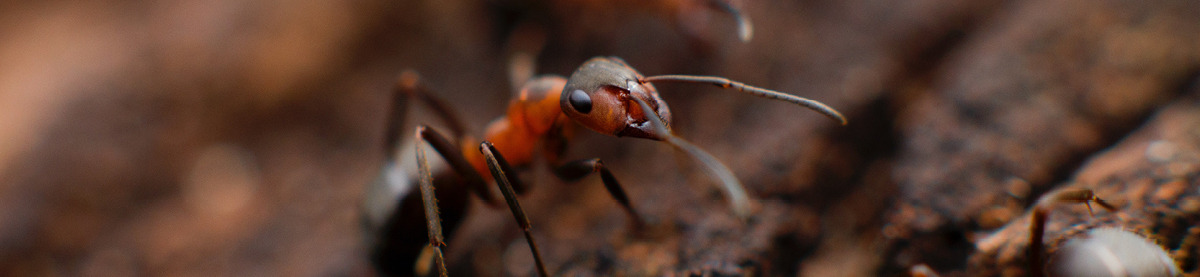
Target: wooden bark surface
<point x="237" y="138"/>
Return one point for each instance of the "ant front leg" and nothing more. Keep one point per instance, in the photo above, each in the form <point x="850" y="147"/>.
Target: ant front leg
<point x="576" y="170"/>
<point x="499" y="167"/>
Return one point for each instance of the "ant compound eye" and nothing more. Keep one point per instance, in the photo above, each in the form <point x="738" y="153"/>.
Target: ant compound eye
<point x="580" y="101"/>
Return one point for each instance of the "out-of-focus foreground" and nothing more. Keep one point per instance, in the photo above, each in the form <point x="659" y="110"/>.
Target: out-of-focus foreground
<point x="237" y="137"/>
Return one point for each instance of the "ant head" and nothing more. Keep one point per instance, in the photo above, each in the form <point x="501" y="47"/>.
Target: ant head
<point x="600" y="95"/>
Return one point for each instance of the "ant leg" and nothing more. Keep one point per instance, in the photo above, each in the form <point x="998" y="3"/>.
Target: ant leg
<point x="395" y="119"/>
<point x="433" y="222"/>
<point x="576" y="170"/>
<point x="523" y="46"/>
<point x="410" y="86"/>
<point x="745" y="29"/>
<point x="499" y="166"/>
<point x="1041" y="212"/>
<point x="455" y="158"/>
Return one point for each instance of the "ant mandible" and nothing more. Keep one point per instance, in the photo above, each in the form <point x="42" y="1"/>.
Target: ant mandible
<point x="604" y="94"/>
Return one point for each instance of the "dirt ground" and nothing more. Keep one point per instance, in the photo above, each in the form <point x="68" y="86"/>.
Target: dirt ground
<point x="238" y="137"/>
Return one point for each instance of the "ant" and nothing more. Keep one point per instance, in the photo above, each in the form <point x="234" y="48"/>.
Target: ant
<point x="605" y="95"/>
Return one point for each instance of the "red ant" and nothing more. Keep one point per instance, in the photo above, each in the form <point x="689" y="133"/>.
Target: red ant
<point x="604" y="94"/>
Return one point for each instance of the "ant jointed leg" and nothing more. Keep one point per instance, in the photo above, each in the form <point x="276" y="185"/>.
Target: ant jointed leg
<point x="575" y="170"/>
<point x="498" y="166"/>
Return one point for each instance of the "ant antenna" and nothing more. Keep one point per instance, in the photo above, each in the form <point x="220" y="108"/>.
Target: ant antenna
<point x="733" y="188"/>
<point x="745" y="29"/>
<point x="723" y="82"/>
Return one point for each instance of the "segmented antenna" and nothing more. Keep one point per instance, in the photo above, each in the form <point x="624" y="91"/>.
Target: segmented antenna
<point x="723" y="82"/>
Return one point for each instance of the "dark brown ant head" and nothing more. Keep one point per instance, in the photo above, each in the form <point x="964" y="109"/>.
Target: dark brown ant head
<point x="600" y="95"/>
<point x="608" y="96"/>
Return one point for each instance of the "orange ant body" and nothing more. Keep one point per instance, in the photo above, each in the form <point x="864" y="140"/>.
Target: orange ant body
<point x="604" y="94"/>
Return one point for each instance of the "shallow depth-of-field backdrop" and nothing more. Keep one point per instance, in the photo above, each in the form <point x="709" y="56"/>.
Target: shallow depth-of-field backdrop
<point x="237" y="137"/>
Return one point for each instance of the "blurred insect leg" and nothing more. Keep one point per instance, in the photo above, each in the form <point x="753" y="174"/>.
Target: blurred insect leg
<point x="523" y="46"/>
<point x="433" y="222"/>
<point x="398" y="110"/>
<point x="1041" y="213"/>
<point x="410" y="86"/>
<point x="576" y="170"/>
<point x="455" y="158"/>
<point x="499" y="167"/>
<point x="745" y="29"/>
<point x="723" y="82"/>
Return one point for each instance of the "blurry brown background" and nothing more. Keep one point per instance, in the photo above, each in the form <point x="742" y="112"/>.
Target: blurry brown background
<point x="237" y="137"/>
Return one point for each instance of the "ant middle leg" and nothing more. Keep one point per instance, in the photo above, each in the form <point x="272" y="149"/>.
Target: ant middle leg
<point x="499" y="167"/>
<point x="576" y="170"/>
